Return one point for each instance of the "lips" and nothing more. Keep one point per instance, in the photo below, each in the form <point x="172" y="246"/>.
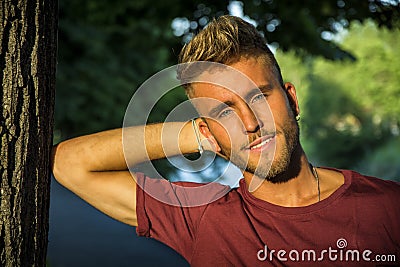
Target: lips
<point x="260" y="142"/>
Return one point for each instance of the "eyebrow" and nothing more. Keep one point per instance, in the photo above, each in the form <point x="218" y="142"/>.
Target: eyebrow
<point x="255" y="91"/>
<point x="214" y="111"/>
<point x="263" y="88"/>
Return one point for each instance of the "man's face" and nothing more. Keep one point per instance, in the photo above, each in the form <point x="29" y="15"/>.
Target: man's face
<point x="251" y="119"/>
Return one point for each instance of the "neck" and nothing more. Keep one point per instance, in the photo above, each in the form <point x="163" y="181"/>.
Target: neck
<point x="300" y="188"/>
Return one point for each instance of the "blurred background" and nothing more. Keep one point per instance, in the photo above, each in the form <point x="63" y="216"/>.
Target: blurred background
<point x="342" y="56"/>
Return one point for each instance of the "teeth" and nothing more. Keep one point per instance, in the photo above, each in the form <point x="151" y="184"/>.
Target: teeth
<point x="261" y="144"/>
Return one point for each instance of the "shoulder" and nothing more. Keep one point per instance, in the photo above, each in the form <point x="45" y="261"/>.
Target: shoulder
<point x="369" y="185"/>
<point x="181" y="194"/>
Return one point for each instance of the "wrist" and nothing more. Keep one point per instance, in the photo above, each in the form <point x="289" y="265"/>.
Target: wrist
<point x="197" y="135"/>
<point x="187" y="139"/>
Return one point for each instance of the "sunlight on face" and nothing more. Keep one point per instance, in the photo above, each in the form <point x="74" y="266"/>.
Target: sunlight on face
<point x="249" y="116"/>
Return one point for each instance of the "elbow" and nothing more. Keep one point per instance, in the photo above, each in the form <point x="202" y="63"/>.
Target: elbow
<point x="58" y="164"/>
<point x="63" y="164"/>
<point x="54" y="161"/>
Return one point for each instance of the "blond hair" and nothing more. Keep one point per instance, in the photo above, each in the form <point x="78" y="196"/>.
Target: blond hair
<point x="226" y="40"/>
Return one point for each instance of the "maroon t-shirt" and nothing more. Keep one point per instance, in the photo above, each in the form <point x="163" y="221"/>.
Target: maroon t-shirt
<point x="358" y="225"/>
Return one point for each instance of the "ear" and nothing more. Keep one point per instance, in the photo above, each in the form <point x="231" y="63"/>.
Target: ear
<point x="205" y="131"/>
<point x="290" y="91"/>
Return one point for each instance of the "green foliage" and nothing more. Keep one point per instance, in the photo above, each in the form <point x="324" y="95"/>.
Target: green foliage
<point x="108" y="48"/>
<point x="105" y="52"/>
<point x="383" y="162"/>
<point x="350" y="109"/>
<point x="378" y="58"/>
<point x="298" y="25"/>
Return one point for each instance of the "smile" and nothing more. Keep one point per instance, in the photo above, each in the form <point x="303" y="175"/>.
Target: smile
<point x="261" y="143"/>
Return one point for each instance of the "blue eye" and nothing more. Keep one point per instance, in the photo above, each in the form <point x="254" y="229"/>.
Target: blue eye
<point x="225" y="113"/>
<point x="257" y="98"/>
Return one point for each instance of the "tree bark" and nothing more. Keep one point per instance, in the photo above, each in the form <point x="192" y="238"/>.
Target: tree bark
<point x="28" y="44"/>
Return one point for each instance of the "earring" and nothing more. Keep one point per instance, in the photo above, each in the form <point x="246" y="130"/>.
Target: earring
<point x="297" y="117"/>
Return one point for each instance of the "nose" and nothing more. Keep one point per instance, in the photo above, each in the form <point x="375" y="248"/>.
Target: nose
<point x="250" y="121"/>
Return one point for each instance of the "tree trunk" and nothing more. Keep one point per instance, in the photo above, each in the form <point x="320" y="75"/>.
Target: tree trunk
<point x="28" y="43"/>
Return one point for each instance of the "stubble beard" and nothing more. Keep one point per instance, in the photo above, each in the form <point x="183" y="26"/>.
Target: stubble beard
<point x="282" y="160"/>
<point x="288" y="157"/>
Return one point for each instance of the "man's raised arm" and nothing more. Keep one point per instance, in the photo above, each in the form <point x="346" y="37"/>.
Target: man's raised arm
<point x="94" y="166"/>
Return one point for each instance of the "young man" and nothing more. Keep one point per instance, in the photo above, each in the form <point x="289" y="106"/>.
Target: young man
<point x="293" y="214"/>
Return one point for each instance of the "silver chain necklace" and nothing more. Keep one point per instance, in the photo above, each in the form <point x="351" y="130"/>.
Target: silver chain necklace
<point x="314" y="171"/>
